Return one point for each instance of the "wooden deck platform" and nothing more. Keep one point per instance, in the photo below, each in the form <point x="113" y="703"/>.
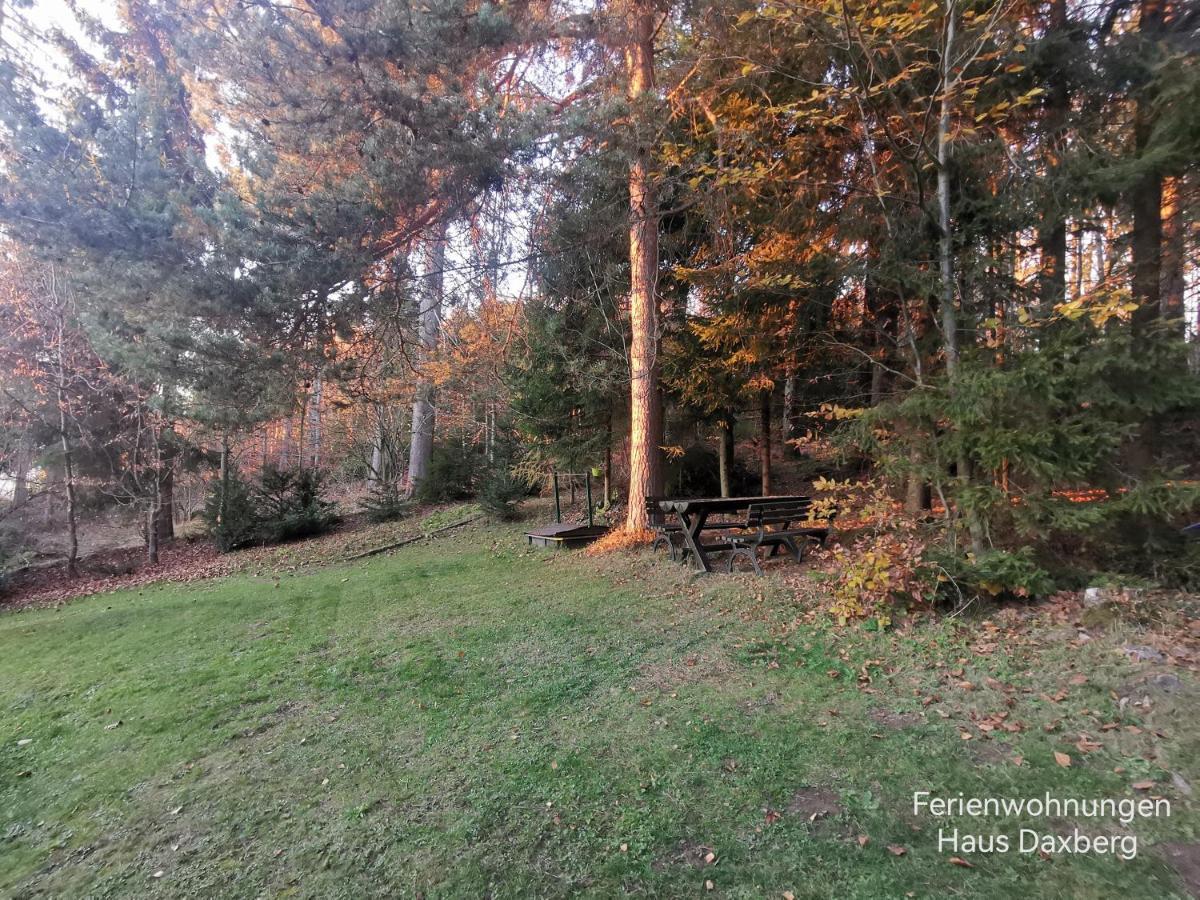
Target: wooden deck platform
<point x="564" y="535"/>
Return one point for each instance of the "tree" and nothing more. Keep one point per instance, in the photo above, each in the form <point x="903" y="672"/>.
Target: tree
<point x="645" y="428"/>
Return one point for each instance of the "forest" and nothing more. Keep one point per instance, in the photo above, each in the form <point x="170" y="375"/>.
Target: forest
<point x="551" y="448"/>
<point x="936" y="258"/>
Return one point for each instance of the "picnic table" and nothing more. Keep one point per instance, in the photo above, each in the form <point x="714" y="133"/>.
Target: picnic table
<point x="693" y="518"/>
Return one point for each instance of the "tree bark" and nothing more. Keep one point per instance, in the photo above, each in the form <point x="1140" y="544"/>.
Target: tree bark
<point x="949" y="311"/>
<point x="645" y="427"/>
<point x="68" y="460"/>
<point x="791" y="407"/>
<point x="314" y="425"/>
<point x="166" y="511"/>
<point x="223" y="508"/>
<point x="725" y="456"/>
<point x="22" y="460"/>
<point x="421" y="445"/>
<point x="1052" y="233"/>
<point x="1146" y="197"/>
<point x="764" y="441"/>
<point x="1173" y="249"/>
<point x="376" y="475"/>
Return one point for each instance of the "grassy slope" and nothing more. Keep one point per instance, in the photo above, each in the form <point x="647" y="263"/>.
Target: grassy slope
<point x="465" y="718"/>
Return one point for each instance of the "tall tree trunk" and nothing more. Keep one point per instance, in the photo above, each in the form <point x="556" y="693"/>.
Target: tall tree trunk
<point x="22" y="460"/>
<point x="1052" y="232"/>
<point x="645" y="426"/>
<point x="314" y="423"/>
<point x="376" y="475"/>
<point x="166" y="511"/>
<point x="608" y="460"/>
<point x="791" y="407"/>
<point x="421" y="446"/>
<point x="949" y="311"/>
<point x="764" y="441"/>
<point x="1146" y="197"/>
<point x="223" y="507"/>
<point x="725" y="455"/>
<point x="68" y="463"/>
<point x="285" y="444"/>
<point x="1173" y="249"/>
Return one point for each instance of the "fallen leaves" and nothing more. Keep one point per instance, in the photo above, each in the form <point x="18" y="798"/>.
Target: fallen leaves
<point x="1063" y="759"/>
<point x="897" y="850"/>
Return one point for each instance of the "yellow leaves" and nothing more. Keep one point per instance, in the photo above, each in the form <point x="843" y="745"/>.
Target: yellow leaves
<point x="1100" y="307"/>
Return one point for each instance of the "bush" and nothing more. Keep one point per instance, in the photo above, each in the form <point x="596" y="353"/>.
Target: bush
<point x="291" y="505"/>
<point x="286" y="505"/>
<point x="233" y="521"/>
<point x="450" y="476"/>
<point x="998" y="574"/>
<point x="386" y="502"/>
<point x="880" y="572"/>
<point x="500" y="492"/>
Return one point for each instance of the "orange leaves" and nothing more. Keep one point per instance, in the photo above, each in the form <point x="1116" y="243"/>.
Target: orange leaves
<point x="619" y="539"/>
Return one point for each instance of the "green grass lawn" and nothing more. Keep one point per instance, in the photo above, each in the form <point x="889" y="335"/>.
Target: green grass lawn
<point x="468" y="718"/>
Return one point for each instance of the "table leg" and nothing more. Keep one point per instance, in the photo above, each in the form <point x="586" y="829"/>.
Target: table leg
<point x="691" y="534"/>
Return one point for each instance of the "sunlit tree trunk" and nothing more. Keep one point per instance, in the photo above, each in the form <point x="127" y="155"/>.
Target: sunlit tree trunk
<point x="1173" y="248"/>
<point x="645" y="427"/>
<point x="1146" y="196"/>
<point x="1052" y="234"/>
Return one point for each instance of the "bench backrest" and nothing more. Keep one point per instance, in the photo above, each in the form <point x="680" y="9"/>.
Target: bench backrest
<point x="654" y="512"/>
<point x="762" y="515"/>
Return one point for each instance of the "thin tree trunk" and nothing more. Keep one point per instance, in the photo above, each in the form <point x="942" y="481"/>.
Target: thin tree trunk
<point x="645" y="427"/>
<point x="1146" y="197"/>
<point x="1052" y="234"/>
<point x="223" y="508"/>
<point x="764" y="441"/>
<point x="376" y="475"/>
<point x="791" y="407"/>
<point x="946" y="247"/>
<point x="608" y="461"/>
<point x="314" y="430"/>
<point x="68" y="462"/>
<point x="725" y="456"/>
<point x="285" y="445"/>
<point x="1173" y="247"/>
<point x="166" y="512"/>
<point x="22" y="460"/>
<point x="421" y="445"/>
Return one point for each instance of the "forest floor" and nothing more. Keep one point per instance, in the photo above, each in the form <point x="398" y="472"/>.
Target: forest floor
<point x="469" y="717"/>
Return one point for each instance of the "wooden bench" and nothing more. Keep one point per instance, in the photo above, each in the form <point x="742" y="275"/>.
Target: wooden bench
<point x="770" y="525"/>
<point x="667" y="534"/>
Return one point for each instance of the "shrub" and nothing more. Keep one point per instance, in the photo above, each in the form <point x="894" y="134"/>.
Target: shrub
<point x="233" y="520"/>
<point x="386" y="502"/>
<point x="997" y="573"/>
<point x="499" y="493"/>
<point x="286" y="505"/>
<point x="879" y="572"/>
<point x="292" y="506"/>
<point x="450" y="476"/>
